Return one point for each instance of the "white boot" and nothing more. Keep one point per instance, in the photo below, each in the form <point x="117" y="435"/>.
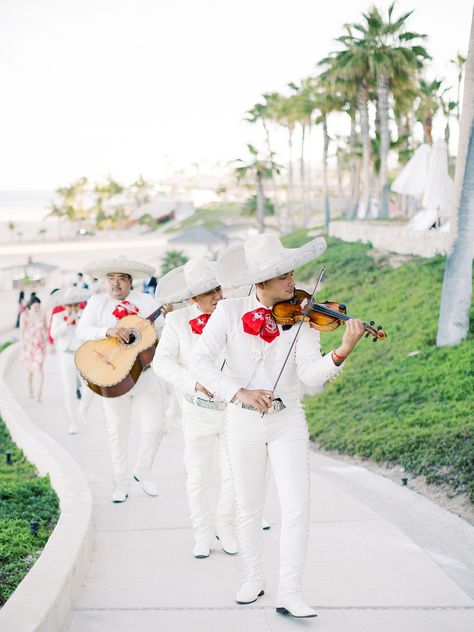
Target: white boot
<point x="249" y="592"/>
<point x="297" y="609"/>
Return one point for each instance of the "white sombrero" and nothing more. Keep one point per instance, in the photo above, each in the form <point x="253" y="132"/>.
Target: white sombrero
<point x="197" y="276"/>
<point x="121" y="264"/>
<point x="69" y="296"/>
<point x="263" y="257"/>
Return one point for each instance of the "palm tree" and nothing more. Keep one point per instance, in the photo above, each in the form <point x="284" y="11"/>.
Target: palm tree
<point x="392" y="56"/>
<point x="260" y="170"/>
<point x="171" y="260"/>
<point x="429" y="102"/>
<point x="71" y="202"/>
<point x="459" y="62"/>
<point x="456" y="295"/>
<point x="352" y="64"/>
<point x="286" y="114"/>
<point x="264" y="113"/>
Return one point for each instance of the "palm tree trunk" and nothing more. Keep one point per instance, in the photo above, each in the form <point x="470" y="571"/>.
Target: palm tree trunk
<point x="427" y="127"/>
<point x="303" y="177"/>
<point x="308" y="169"/>
<point x="289" y="192"/>
<point x="355" y="170"/>
<point x="260" y="203"/>
<point x="276" y="204"/>
<point x="456" y="294"/>
<point x="327" y="209"/>
<point x="382" y="93"/>
<point x="365" y="138"/>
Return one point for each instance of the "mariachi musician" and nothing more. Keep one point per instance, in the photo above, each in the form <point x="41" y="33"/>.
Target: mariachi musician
<point x="262" y="423"/>
<point x="101" y="319"/>
<point x="203" y="415"/>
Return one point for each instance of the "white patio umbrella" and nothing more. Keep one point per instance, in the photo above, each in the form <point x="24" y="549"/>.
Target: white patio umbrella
<point x="413" y="177"/>
<point x="439" y="185"/>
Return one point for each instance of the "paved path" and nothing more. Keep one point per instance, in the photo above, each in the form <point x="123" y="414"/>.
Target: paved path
<point x="380" y="557"/>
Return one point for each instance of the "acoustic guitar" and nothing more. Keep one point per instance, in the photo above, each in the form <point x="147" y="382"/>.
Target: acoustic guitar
<point x="112" y="367"/>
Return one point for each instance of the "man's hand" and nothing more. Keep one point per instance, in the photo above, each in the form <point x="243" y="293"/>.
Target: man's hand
<point x="202" y="389"/>
<point x="354" y="330"/>
<point x="122" y="333"/>
<point x="260" y="398"/>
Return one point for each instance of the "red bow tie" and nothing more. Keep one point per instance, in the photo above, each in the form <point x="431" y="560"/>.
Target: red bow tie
<point x="125" y="308"/>
<point x="260" y="322"/>
<point x="198" y="324"/>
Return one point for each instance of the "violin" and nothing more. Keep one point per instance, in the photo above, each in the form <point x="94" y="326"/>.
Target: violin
<point x="325" y="316"/>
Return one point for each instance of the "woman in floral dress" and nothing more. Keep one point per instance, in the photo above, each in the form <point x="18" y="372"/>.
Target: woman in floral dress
<point x="33" y="337"/>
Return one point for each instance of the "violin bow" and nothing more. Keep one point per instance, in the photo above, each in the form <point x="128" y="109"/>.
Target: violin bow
<point x="305" y="313"/>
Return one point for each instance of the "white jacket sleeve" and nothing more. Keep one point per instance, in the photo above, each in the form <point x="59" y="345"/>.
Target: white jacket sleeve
<point x="313" y="368"/>
<point x="166" y="364"/>
<point x="58" y="325"/>
<point x="88" y="328"/>
<point x="203" y="360"/>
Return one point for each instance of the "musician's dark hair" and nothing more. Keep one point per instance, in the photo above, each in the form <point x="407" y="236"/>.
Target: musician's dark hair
<point x="33" y="299"/>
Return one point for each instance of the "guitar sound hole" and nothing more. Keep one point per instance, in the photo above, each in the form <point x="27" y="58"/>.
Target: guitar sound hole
<point x="134" y="339"/>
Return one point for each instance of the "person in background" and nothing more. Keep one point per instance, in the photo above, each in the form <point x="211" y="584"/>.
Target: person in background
<point x="21" y="308"/>
<point x="63" y="332"/>
<point x="80" y="282"/>
<point x="33" y="339"/>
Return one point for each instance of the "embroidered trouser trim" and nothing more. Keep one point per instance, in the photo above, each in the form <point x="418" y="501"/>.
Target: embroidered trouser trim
<point x="145" y="401"/>
<point x="282" y="439"/>
<point x="203" y="431"/>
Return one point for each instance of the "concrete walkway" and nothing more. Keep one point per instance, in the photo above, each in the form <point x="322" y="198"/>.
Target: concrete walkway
<point x="380" y="557"/>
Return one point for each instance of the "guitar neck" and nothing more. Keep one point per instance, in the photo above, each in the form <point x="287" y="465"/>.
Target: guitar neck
<point x="152" y="317"/>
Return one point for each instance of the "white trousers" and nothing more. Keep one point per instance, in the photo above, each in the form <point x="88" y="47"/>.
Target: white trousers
<point x="69" y="377"/>
<point x="203" y="431"/>
<point x="146" y="401"/>
<point x="281" y="438"/>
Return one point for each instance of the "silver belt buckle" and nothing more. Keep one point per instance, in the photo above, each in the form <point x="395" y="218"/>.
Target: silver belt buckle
<point x="277" y="406"/>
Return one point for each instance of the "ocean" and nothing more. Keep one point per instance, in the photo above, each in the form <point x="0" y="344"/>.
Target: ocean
<point x="24" y="206"/>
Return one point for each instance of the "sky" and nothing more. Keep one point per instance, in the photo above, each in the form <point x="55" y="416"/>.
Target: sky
<point x="129" y="87"/>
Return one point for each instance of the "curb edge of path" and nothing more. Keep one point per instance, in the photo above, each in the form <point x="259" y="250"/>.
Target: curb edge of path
<point x="43" y="600"/>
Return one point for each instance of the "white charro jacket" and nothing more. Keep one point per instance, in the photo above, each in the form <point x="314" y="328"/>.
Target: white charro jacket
<point x="64" y="335"/>
<point x="98" y="314"/>
<point x="175" y="348"/>
<point x="224" y="332"/>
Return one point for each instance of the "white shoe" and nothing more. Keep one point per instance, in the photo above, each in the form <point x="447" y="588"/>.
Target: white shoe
<point x="120" y="495"/>
<point x="249" y="592"/>
<point x="228" y="543"/>
<point x="201" y="550"/>
<point x="266" y="526"/>
<point x="148" y="487"/>
<point x="72" y="429"/>
<point x="297" y="609"/>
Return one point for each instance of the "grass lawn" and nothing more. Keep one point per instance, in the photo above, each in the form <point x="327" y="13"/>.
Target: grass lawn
<point x="401" y="400"/>
<point x="25" y="498"/>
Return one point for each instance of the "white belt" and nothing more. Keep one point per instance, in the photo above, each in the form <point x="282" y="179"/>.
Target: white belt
<point x="204" y="403"/>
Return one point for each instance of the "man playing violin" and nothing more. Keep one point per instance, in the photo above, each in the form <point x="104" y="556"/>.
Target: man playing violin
<point x="264" y="423"/>
<point x="101" y="319"/>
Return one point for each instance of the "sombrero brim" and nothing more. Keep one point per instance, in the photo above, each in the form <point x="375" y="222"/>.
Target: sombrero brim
<point x="173" y="288"/>
<point x="233" y="271"/>
<point x="135" y="269"/>
<point x="61" y="298"/>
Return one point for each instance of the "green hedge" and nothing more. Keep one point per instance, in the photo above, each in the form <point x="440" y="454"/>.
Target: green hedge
<point x="24" y="498"/>
<point x="390" y="406"/>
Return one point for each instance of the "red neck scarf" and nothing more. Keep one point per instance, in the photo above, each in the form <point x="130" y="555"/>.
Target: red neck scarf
<point x="198" y="324"/>
<point x="125" y="308"/>
<point x="260" y="322"/>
